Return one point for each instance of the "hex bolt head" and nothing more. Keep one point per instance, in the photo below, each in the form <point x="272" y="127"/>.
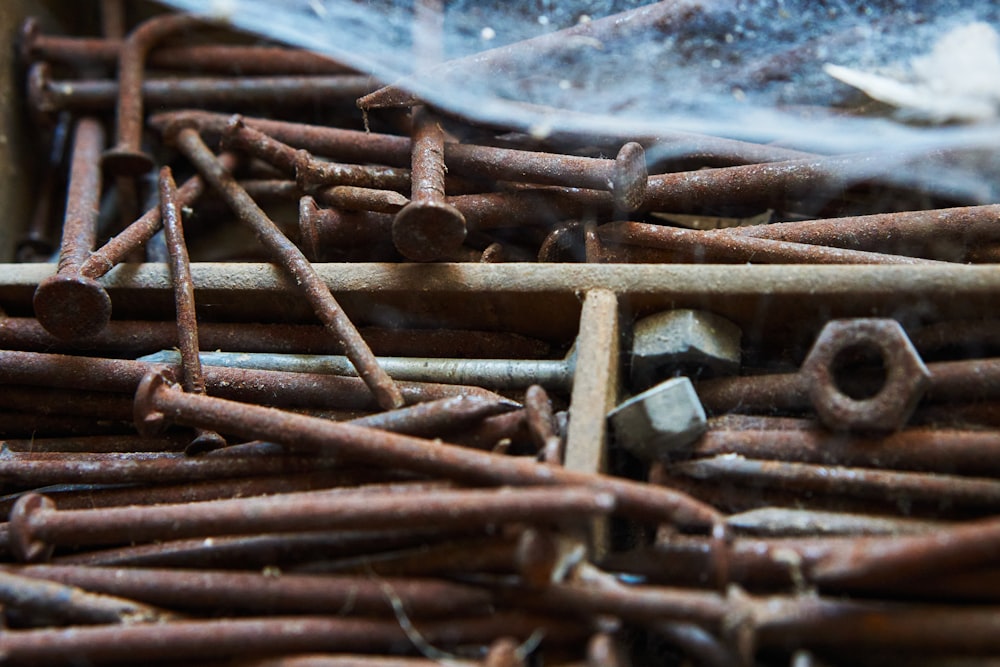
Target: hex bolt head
<point x="660" y="423"/>
<point x="72" y="306"/>
<point x="906" y="376"/>
<point x="689" y="342"/>
<point x="23" y="544"/>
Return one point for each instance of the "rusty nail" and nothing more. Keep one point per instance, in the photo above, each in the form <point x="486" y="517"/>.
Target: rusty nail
<point x="36" y="525"/>
<point x="294" y="262"/>
<point x="187" y="318"/>
<point x="68" y="304"/>
<point x="157" y="400"/>
<point x="427" y="228"/>
<point x="126" y="158"/>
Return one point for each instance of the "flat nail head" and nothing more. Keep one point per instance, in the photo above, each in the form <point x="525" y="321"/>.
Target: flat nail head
<point x="22" y="541"/>
<point x="72" y="307"/>
<point x="149" y="421"/>
<point x="308" y="227"/>
<point x="426" y="231"/>
<point x="123" y="161"/>
<point x="630" y="176"/>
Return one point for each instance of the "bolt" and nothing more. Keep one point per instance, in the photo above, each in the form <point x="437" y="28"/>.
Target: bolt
<point x="187" y="318"/>
<point x="156" y="400"/>
<point x="36" y="525"/>
<point x="691" y="245"/>
<point x="625" y="176"/>
<point x="494" y="374"/>
<point x="684" y="342"/>
<point x="294" y="262"/>
<point x="660" y="423"/>
<point x="427" y="228"/>
<point x="893" y="405"/>
<point x="68" y="304"/>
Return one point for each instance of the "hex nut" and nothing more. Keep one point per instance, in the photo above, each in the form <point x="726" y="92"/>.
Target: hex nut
<point x="686" y="342"/>
<point x="906" y="376"/>
<point x="661" y="422"/>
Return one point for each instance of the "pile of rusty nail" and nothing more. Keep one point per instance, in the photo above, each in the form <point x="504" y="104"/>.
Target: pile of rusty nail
<point x="333" y="494"/>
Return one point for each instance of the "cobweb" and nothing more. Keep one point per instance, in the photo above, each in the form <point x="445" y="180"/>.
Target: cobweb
<point x="756" y="70"/>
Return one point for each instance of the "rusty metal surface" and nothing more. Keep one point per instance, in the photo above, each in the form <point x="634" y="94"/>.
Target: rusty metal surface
<point x="841" y="499"/>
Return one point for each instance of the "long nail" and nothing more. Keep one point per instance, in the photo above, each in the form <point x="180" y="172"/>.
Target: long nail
<point x="255" y="592"/>
<point x="68" y="304"/>
<point x="229" y="58"/>
<point x="187" y="641"/>
<point x="689" y="245"/>
<point x="427" y="228"/>
<point x="156" y="400"/>
<point x="127" y="157"/>
<point x="624" y="176"/>
<point x="266" y="387"/>
<point x="36" y="525"/>
<point x="294" y="262"/>
<point x="34" y="597"/>
<point x="187" y="318"/>
<point x="48" y="96"/>
<point x="36" y="244"/>
<point x="493" y="374"/>
<point x="141" y="337"/>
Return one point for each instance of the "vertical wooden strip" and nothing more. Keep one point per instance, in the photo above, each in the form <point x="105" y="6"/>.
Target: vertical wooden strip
<point x="595" y="391"/>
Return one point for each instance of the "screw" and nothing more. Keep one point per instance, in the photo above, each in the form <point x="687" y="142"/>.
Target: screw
<point x="36" y="525"/>
<point x="427" y="228"/>
<point x="494" y="374"/>
<point x="68" y="304"/>
<point x="294" y="262"/>
<point x="156" y="400"/>
<point x="187" y="318"/>
<point x="690" y="245"/>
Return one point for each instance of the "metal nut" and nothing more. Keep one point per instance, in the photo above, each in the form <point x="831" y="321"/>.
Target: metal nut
<point x="906" y="376"/>
<point x="660" y="422"/>
<point x="688" y="342"/>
